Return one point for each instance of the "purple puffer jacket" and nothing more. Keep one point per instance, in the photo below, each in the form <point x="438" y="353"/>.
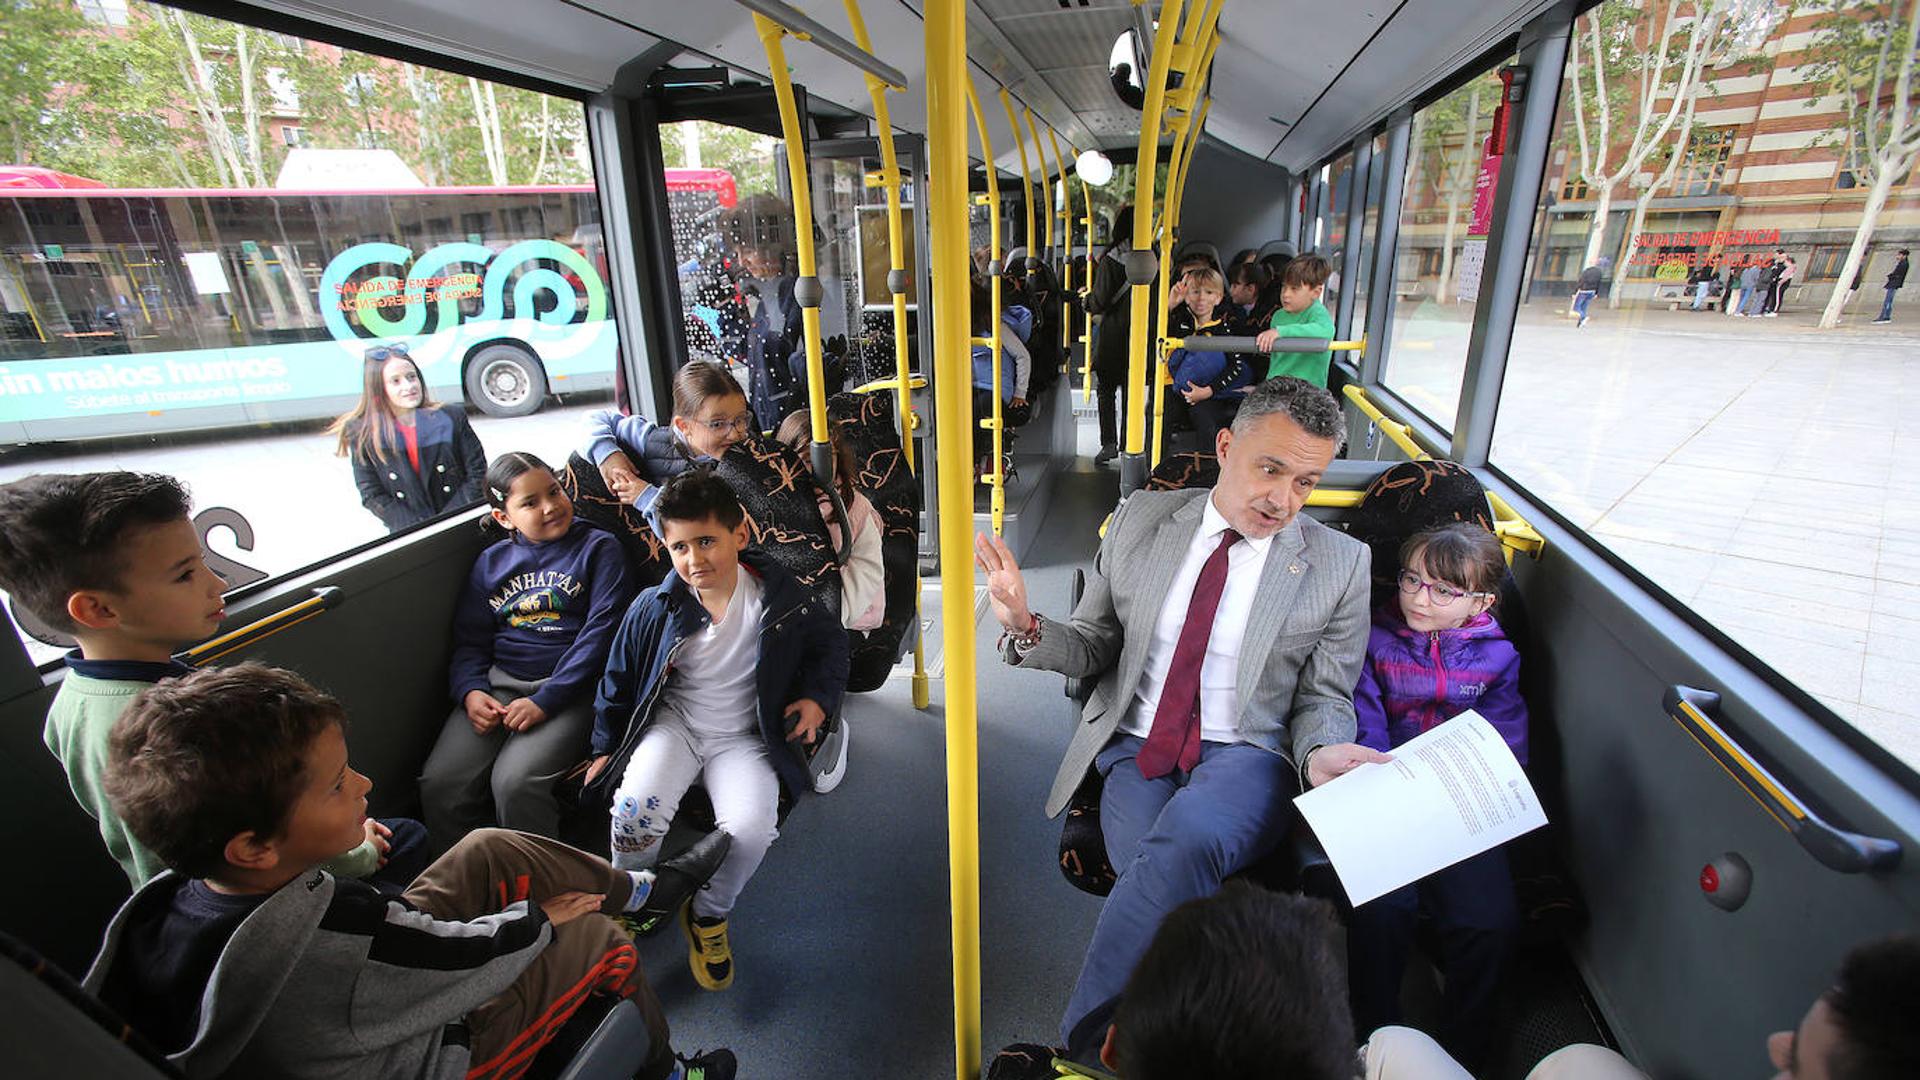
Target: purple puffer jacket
<point x="1412" y="681"/>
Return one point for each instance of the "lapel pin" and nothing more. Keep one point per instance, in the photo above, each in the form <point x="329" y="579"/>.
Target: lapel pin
<point x="1293" y="568"/>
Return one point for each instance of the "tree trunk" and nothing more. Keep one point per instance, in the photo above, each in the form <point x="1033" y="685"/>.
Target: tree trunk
<point x="207" y="100"/>
<point x="1468" y="166"/>
<point x="690" y="140"/>
<point x="1876" y="199"/>
<point x="1597" y="232"/>
<point x="249" y="106"/>
<point x="546" y="136"/>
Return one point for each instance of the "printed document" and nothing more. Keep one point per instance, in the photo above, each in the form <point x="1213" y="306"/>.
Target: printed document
<point x="1450" y="794"/>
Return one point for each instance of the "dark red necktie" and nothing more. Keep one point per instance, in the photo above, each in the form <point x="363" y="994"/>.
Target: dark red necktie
<point x="1175" y="735"/>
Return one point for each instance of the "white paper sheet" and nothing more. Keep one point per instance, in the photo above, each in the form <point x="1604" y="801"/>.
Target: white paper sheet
<point x="1448" y="795"/>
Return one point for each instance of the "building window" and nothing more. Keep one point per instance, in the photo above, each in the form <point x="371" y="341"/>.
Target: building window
<point x="1706" y="163"/>
<point x="1825" y="262"/>
<point x="1574" y="189"/>
<point x="293" y="136"/>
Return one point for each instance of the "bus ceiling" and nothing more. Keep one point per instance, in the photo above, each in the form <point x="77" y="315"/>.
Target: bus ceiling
<point x="1293" y="80"/>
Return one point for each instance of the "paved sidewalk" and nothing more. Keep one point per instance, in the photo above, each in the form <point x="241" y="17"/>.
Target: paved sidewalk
<point x="1754" y="468"/>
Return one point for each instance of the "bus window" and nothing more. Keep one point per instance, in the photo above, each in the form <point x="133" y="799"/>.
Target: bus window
<point x="1369" y="234"/>
<point x="1446" y="213"/>
<point x="201" y="300"/>
<point x="1697" y="390"/>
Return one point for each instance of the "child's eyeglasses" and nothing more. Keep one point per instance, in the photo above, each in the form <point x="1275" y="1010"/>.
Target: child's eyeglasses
<point x="1441" y="595"/>
<point x="387" y="352"/>
<point x="742" y="424"/>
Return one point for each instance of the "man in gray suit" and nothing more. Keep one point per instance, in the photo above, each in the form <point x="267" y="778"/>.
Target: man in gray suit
<point x="1225" y="630"/>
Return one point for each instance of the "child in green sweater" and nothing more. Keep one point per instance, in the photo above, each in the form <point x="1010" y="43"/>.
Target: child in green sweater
<point x="113" y="559"/>
<point x="1301" y="315"/>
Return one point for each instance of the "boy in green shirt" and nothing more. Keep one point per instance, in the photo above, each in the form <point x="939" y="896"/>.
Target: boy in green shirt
<point x="113" y="559"/>
<point x="1301" y="315"/>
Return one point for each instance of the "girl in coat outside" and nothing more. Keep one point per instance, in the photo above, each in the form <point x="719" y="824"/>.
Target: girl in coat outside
<point x="412" y="457"/>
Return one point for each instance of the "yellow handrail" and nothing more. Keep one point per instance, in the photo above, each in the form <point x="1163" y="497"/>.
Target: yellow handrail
<point x="1026" y="175"/>
<point x="1167" y="28"/>
<point x="1515" y="532"/>
<point x="996" y="478"/>
<point x="1086" y="286"/>
<point x="1169" y="218"/>
<point x="897" y="285"/>
<point x="1065" y="255"/>
<point x="947" y="75"/>
<point x="801" y="190"/>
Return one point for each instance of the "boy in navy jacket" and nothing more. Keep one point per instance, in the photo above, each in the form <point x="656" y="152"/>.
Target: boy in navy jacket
<point x="720" y="674"/>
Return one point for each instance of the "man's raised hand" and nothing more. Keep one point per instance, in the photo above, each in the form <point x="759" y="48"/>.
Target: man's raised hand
<point x="1006" y="589"/>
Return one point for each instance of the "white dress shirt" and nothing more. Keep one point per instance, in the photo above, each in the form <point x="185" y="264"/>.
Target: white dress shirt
<point x="1219" y="696"/>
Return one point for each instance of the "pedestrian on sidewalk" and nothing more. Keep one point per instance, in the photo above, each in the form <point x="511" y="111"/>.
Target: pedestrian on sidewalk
<point x="1771" y="282"/>
<point x="1749" y="288"/>
<point x="1895" y="281"/>
<point x="1585" y="290"/>
<point x="1703" y="279"/>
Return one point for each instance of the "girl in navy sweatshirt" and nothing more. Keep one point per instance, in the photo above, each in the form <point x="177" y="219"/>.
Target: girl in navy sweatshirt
<point x="530" y="636"/>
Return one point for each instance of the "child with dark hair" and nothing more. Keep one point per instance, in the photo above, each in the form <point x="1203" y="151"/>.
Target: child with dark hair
<point x="1016" y="367"/>
<point x="863" y="584"/>
<point x="530" y="637"/>
<point x="1246" y="281"/>
<point x="1436" y="651"/>
<point x="1301" y="314"/>
<point x="246" y="959"/>
<point x="113" y="559"/>
<point x="635" y="455"/>
<point x="720" y="674"/>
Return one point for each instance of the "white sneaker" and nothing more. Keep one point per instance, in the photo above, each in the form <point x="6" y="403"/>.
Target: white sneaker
<point x="829" y="764"/>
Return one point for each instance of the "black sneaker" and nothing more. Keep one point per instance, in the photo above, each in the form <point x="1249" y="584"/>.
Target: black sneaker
<point x="1025" y="1061"/>
<point x="708" y="1065"/>
<point x="1106" y="454"/>
<point x="677" y="879"/>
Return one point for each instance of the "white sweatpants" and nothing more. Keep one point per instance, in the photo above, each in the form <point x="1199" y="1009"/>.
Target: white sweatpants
<point x="739" y="780"/>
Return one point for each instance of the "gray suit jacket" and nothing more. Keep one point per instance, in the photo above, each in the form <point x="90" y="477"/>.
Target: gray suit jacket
<point x="1299" y="659"/>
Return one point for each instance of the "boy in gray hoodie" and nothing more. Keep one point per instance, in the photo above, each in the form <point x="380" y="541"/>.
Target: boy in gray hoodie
<point x="245" y="959"/>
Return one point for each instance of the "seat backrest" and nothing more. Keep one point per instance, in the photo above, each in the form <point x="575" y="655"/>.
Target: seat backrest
<point x="54" y="1030"/>
<point x="1412" y="497"/>
<point x="866" y="424"/>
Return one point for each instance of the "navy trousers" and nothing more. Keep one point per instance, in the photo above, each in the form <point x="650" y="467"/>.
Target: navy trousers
<point x="1171" y="840"/>
<point x="408" y="856"/>
<point x="1476" y="917"/>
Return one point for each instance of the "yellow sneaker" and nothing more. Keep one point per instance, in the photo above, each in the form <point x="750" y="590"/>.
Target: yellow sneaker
<point x="709" y="954"/>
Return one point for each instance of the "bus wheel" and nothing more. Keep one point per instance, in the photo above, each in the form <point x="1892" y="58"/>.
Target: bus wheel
<point x="505" y="381"/>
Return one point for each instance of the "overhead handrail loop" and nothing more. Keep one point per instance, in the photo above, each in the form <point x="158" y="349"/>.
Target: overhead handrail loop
<point x="1040" y="167"/>
<point x="996" y="477"/>
<point x="1162" y="312"/>
<point x="802" y="26"/>
<point x="947" y="75"/>
<point x="806" y="288"/>
<point x="897" y="285"/>
<point x="1832" y="847"/>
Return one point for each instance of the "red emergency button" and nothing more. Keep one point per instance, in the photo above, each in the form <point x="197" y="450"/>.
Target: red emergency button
<point x="1709" y="879"/>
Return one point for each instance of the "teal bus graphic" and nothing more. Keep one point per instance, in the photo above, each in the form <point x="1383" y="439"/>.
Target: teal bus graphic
<point x="156" y="314"/>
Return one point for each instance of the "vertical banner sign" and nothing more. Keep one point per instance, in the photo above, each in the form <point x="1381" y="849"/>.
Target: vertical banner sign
<point x="1473" y="253"/>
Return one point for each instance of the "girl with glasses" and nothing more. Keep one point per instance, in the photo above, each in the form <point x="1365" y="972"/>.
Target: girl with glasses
<point x="412" y="458"/>
<point x="633" y="455"/>
<point x="1436" y="651"/>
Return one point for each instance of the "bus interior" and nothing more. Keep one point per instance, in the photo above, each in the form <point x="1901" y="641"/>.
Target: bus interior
<point x="913" y="921"/>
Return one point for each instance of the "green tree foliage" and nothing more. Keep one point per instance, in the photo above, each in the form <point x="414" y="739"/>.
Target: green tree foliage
<point x="177" y="99"/>
<point x="748" y="155"/>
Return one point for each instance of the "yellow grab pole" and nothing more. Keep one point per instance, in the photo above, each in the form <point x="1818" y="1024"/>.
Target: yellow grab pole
<point x="807" y="287"/>
<point x="1086" y="286"/>
<point x="1169" y="218"/>
<point x="1040" y="166"/>
<point x="1066" y="241"/>
<point x="1026" y="175"/>
<point x="996" y="477"/>
<point x="946" y="38"/>
<point x="1132" y="472"/>
<point x="897" y="285"/>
